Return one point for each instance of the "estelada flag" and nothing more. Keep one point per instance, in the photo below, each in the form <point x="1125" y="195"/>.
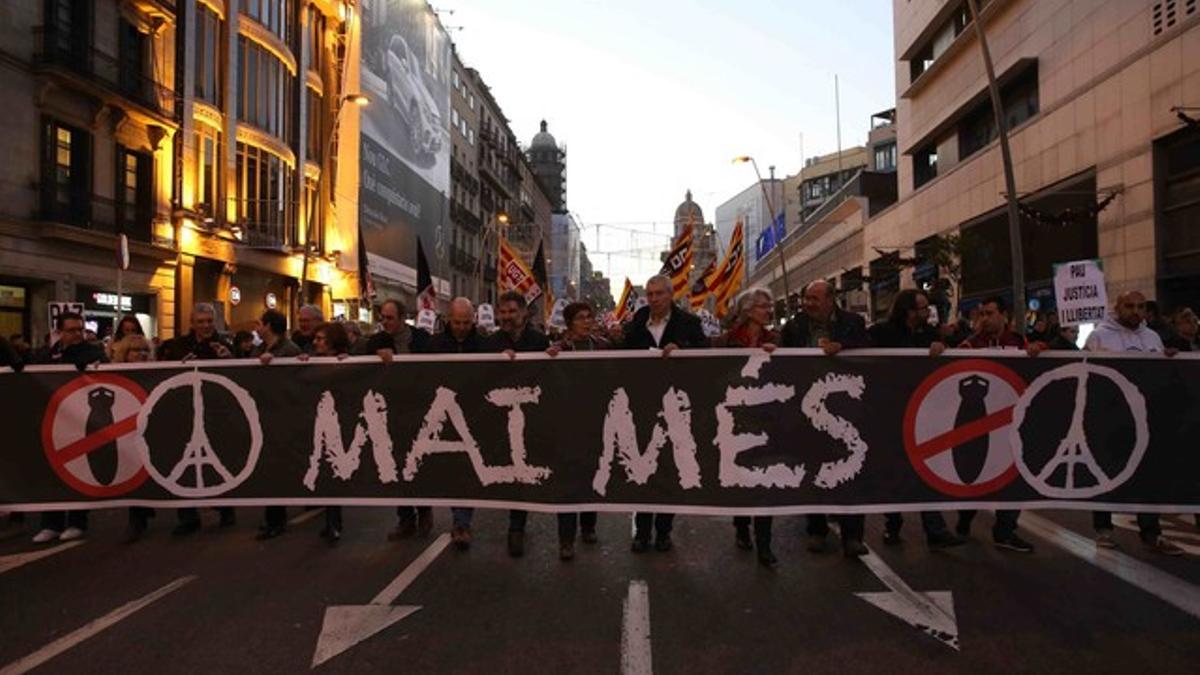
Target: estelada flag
<point x="426" y="293"/>
<point x="541" y="277"/>
<point x="514" y="274"/>
<point x="678" y="264"/>
<point x="731" y="272"/>
<point x="702" y="287"/>
<point x="627" y="304"/>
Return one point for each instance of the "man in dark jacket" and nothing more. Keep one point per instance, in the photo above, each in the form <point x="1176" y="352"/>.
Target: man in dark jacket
<point x="272" y="330"/>
<point x="515" y="335"/>
<point x="9" y="356"/>
<point x="907" y="326"/>
<point x="660" y="325"/>
<point x="825" y="326"/>
<point x="73" y="349"/>
<point x="201" y="343"/>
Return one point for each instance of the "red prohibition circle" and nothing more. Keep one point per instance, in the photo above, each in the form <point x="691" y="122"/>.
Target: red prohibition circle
<point x="910" y="423"/>
<point x="128" y="485"/>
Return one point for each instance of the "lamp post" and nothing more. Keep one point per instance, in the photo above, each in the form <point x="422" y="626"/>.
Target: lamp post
<point x="1010" y="181"/>
<point x="771" y="208"/>
<point x="359" y="100"/>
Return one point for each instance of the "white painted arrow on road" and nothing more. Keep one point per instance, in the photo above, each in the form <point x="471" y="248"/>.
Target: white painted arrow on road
<point x="348" y="625"/>
<point x="931" y="612"/>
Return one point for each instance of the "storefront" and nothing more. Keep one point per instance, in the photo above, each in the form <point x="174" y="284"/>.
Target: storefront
<point x="14" y="311"/>
<point x="101" y="313"/>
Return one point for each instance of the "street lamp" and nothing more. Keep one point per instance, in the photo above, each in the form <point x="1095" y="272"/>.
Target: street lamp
<point x="770" y="207"/>
<point x="501" y="219"/>
<point x="360" y="100"/>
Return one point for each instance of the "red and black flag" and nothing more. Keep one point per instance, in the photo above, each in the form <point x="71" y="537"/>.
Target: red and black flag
<point x="426" y="293"/>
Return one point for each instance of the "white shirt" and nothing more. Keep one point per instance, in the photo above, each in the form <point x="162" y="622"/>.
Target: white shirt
<point x="657" y="328"/>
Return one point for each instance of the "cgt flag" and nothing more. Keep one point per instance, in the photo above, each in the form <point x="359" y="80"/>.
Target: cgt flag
<point x="627" y="305"/>
<point x="426" y="293"/>
<point x="515" y="275"/>
<point x="702" y="287"/>
<point x="729" y="275"/>
<point x="678" y="264"/>
<point x="541" y="277"/>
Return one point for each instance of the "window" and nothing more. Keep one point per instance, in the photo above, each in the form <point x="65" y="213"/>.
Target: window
<point x="264" y="90"/>
<point x="471" y="101"/>
<point x="66" y="173"/>
<point x="925" y="165"/>
<point x="1020" y="100"/>
<point x="133" y="55"/>
<point x="265" y="197"/>
<point x="316" y="38"/>
<point x="134" y="176"/>
<point x="208" y="172"/>
<point x="885" y="157"/>
<point x="471" y="136"/>
<point x="274" y="15"/>
<point x="954" y="25"/>
<point x="314" y="145"/>
<point x="208" y="51"/>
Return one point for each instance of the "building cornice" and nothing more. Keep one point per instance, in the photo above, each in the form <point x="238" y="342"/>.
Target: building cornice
<point x="254" y="30"/>
<point x="257" y="137"/>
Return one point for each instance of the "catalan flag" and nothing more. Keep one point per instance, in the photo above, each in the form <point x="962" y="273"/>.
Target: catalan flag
<point x="627" y="305"/>
<point x="514" y="274"/>
<point x="731" y="272"/>
<point x="678" y="264"/>
<point x="702" y="287"/>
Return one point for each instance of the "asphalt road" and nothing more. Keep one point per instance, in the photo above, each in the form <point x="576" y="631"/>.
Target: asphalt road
<point x="222" y="602"/>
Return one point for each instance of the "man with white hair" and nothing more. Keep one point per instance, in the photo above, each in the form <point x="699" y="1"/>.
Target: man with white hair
<point x="660" y="325"/>
<point x="307" y="320"/>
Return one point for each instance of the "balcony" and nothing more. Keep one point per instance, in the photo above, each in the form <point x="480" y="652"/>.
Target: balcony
<point x="462" y="260"/>
<point x="94" y="213"/>
<point x="102" y="75"/>
<point x="267" y="223"/>
<point x="463" y="217"/>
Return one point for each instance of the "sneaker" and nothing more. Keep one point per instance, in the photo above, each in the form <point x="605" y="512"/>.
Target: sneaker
<point x="662" y="543"/>
<point x="405" y="529"/>
<point x="892" y="538"/>
<point x="588" y="536"/>
<point x="516" y="543"/>
<point x="1014" y="543"/>
<point x="940" y="541"/>
<point x="460" y="536"/>
<point x="1164" y="546"/>
<point x="816" y="543"/>
<point x="1105" y="539"/>
<point x="853" y="548"/>
<point x="566" y="551"/>
<point x="424" y="522"/>
<point x="741" y="539"/>
<point x="46" y="535"/>
<point x="640" y="545"/>
<point x="71" y="534"/>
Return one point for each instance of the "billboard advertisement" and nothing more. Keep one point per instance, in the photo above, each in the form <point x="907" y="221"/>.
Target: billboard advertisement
<point x="405" y="161"/>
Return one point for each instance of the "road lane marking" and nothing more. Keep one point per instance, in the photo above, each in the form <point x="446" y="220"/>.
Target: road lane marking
<point x="306" y="516"/>
<point x="1171" y="531"/>
<point x="1166" y="587"/>
<point x="347" y="625"/>
<point x="12" y="562"/>
<point x="72" y="639"/>
<point x="931" y="612"/>
<point x="635" y="632"/>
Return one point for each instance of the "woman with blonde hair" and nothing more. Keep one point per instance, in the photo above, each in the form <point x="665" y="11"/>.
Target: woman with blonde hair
<point x="753" y="310"/>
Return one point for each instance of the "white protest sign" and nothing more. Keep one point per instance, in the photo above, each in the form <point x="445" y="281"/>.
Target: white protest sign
<point x="59" y="308"/>
<point x="1079" y="292"/>
<point x="640" y="303"/>
<point x="427" y="320"/>
<point x="709" y="323"/>
<point x="556" y="315"/>
<point x="485" y="316"/>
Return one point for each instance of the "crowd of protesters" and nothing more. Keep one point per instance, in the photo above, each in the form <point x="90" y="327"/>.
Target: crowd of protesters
<point x="820" y="323"/>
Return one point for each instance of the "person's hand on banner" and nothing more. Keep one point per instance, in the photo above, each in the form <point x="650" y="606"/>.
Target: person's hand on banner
<point x="385" y="355"/>
<point x="829" y="346"/>
<point x="768" y="347"/>
<point x="1170" y="351"/>
<point x="265" y="358"/>
<point x="342" y="356"/>
<point x="553" y="350"/>
<point x="1035" y="348"/>
<point x="512" y="356"/>
<point x="304" y="357"/>
<point x="936" y="348"/>
<point x="670" y="347"/>
<point x="221" y="350"/>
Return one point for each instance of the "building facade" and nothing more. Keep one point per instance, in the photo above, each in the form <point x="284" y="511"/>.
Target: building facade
<point x="750" y="206"/>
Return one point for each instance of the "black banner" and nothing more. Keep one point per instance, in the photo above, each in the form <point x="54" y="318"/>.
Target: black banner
<point x="713" y="432"/>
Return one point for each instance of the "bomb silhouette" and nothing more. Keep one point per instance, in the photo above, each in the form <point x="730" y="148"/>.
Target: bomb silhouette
<point x="103" y="460"/>
<point x="971" y="456"/>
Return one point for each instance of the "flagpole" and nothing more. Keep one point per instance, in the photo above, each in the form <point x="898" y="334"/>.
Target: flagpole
<point x="771" y="207"/>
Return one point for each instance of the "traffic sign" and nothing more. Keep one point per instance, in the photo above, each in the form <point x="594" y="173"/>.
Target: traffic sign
<point x="89" y="435"/>
<point x="956" y="428"/>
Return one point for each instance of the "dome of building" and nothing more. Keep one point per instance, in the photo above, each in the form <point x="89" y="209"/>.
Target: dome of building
<point x="688" y="211"/>
<point x="543" y="140"/>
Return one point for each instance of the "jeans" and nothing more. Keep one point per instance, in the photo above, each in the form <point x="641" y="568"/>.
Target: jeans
<point x="516" y="520"/>
<point x="852" y="525"/>
<point x="461" y="517"/>
<point x="662" y="524"/>
<point x="567" y="522"/>
<point x="1148" y="523"/>
<point x="1006" y="523"/>
<point x="61" y="520"/>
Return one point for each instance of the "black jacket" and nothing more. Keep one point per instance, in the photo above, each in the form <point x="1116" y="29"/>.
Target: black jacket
<point x="684" y="330"/>
<point x="80" y="355"/>
<point x="891" y="335"/>
<point x="530" y="340"/>
<point x="445" y="343"/>
<point x="848" y="329"/>
<point x="177" y="348"/>
<point x="410" y="341"/>
<point x="9" y="356"/>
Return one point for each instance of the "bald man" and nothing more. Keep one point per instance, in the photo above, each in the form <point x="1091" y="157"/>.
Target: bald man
<point x="1125" y="330"/>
